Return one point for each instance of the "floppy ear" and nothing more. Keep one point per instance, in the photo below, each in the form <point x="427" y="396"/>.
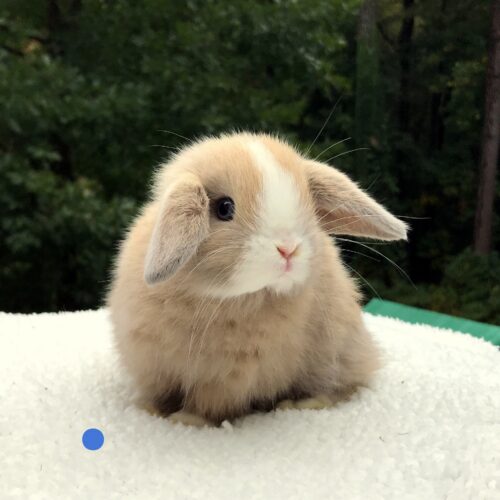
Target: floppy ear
<point x="343" y="208"/>
<point x="182" y="224"/>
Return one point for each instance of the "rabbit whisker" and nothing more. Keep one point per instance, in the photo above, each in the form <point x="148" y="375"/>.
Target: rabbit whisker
<point x="345" y="153"/>
<point x="400" y="269"/>
<point x="332" y="146"/>
<point x="364" y="279"/>
<point x="324" y="125"/>
<point x="174" y="133"/>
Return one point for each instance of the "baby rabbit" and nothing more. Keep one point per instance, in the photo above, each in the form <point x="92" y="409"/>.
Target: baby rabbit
<point x="228" y="293"/>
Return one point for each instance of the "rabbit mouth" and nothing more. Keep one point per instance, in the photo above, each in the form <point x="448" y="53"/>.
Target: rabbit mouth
<point x="281" y="277"/>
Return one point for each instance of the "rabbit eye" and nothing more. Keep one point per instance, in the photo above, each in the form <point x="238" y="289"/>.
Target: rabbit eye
<point x="224" y="208"/>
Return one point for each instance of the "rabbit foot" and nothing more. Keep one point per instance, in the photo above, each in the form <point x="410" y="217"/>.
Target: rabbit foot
<point x="189" y="419"/>
<point x="286" y="404"/>
<point x="315" y="403"/>
<point x="152" y="409"/>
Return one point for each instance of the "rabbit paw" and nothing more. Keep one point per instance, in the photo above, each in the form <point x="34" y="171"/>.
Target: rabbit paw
<point x="286" y="404"/>
<point x="315" y="403"/>
<point x="189" y="419"/>
<point x="152" y="409"/>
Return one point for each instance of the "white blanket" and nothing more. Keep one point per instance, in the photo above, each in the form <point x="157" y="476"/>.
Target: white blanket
<point x="429" y="428"/>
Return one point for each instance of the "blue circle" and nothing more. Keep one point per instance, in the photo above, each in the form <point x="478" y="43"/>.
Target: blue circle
<point x="93" y="439"/>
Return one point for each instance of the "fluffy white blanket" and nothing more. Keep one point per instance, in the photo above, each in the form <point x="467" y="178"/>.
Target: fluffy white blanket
<point x="429" y="428"/>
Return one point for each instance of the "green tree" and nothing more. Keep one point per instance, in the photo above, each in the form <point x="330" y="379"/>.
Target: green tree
<point x="490" y="142"/>
<point x="86" y="88"/>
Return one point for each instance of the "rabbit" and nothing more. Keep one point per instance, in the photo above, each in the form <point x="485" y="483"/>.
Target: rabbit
<point x="229" y="294"/>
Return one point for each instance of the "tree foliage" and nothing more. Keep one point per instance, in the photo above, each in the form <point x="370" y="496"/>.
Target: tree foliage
<point x="88" y="86"/>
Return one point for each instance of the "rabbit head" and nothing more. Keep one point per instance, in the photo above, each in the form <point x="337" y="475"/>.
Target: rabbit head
<point x="242" y="213"/>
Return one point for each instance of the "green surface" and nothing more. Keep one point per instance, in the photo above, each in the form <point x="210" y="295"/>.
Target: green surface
<point x="410" y="314"/>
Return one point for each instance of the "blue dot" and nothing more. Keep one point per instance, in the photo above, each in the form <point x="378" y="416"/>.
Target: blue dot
<point x="93" y="439"/>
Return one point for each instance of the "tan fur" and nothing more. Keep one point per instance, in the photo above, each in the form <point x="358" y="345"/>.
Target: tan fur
<point x="219" y="358"/>
<point x="343" y="208"/>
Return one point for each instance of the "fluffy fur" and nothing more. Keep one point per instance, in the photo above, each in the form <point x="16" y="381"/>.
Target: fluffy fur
<point x="210" y="318"/>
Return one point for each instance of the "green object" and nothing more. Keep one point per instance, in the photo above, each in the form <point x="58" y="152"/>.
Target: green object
<point x="491" y="333"/>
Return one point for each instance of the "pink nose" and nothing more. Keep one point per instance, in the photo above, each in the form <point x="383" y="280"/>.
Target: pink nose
<point x="286" y="252"/>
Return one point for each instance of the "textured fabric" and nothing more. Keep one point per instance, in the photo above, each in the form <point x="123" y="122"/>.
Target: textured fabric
<point x="428" y="429"/>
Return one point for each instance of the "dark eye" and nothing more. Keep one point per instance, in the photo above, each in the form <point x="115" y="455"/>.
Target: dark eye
<point x="224" y="208"/>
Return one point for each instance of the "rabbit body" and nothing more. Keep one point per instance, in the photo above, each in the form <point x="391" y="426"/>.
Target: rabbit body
<point x="211" y="337"/>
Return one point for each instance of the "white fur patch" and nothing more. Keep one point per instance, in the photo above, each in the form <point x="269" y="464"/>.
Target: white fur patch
<point x="280" y="196"/>
<point x="279" y="223"/>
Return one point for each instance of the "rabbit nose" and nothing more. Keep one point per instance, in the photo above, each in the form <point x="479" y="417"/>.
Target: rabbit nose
<point x="287" y="251"/>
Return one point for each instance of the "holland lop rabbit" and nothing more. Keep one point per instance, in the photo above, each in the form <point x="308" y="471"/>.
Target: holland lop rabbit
<point x="228" y="293"/>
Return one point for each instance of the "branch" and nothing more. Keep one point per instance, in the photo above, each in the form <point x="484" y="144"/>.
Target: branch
<point x="386" y="37"/>
<point x="39" y="38"/>
<point x="12" y="50"/>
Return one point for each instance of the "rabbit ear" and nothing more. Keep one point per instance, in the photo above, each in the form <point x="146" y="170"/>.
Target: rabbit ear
<point x="182" y="224"/>
<point x="343" y="208"/>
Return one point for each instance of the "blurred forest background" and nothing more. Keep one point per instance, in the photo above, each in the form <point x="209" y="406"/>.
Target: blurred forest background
<point x="87" y="86"/>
